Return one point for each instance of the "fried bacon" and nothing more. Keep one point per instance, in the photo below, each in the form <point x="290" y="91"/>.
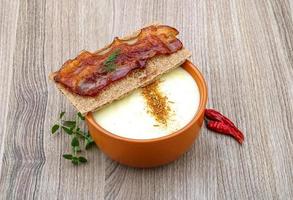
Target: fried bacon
<point x="85" y="75"/>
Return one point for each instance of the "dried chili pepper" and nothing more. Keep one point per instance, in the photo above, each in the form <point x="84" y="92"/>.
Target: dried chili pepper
<point x="217" y="116"/>
<point x="221" y="124"/>
<point x="221" y="127"/>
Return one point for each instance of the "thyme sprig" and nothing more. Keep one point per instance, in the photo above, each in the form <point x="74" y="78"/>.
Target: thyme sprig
<point x="109" y="64"/>
<point x="72" y="128"/>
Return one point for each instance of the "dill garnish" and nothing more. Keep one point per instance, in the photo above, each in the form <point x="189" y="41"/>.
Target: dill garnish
<point x="109" y="64"/>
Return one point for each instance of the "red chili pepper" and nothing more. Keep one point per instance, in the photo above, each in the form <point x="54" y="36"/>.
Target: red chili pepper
<point x="216" y="116"/>
<point x="221" y="127"/>
<point x="221" y="124"/>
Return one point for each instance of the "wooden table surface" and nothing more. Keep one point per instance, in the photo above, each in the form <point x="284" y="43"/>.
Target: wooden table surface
<point x="244" y="50"/>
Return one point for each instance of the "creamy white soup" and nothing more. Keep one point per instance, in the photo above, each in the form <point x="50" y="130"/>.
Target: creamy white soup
<point x="130" y="117"/>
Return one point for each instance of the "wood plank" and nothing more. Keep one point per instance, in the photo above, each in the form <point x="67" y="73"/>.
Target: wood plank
<point x="8" y="24"/>
<point x="23" y="153"/>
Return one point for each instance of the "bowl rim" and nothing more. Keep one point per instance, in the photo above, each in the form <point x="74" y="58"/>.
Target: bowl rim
<point x="200" y="81"/>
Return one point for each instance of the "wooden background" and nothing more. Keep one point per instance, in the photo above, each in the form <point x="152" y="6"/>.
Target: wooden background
<point x="244" y="48"/>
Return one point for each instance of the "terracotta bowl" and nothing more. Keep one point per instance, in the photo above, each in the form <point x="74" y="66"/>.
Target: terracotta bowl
<point x="145" y="153"/>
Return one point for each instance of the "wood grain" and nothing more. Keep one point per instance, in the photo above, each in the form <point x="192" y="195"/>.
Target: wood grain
<point x="243" y="48"/>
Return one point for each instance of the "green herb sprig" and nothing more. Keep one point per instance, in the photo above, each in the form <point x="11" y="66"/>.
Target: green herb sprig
<point x="72" y="128"/>
<point x="109" y="64"/>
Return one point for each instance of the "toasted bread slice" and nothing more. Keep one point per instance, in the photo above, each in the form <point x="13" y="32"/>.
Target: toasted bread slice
<point x="155" y="67"/>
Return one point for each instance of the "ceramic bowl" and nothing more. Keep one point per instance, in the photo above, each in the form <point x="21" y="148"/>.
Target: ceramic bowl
<point x="146" y="153"/>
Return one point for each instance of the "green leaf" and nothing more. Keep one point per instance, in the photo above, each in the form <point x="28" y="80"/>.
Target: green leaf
<point x="69" y="131"/>
<point x="112" y="57"/>
<point x="70" y="124"/>
<point x="61" y="114"/>
<point x="88" y="142"/>
<point x="82" y="159"/>
<point x="55" y="128"/>
<point x="88" y="145"/>
<point x="75" y="160"/>
<point x="109" y="63"/>
<point x="67" y="156"/>
<point x="80" y="116"/>
<point x="74" y="142"/>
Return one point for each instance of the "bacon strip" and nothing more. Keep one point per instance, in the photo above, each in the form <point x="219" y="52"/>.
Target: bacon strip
<point x="86" y="76"/>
